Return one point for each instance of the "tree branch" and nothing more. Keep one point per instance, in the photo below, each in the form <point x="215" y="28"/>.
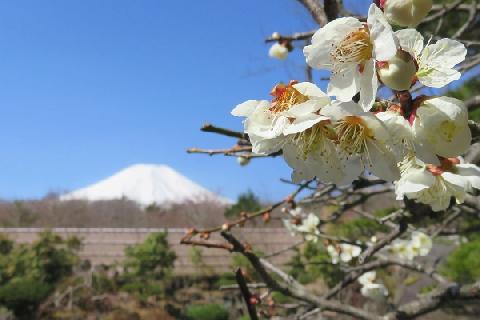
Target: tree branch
<point x="207" y="127"/>
<point x="247" y="296"/>
<point x="316" y="11"/>
<point x="293" y="288"/>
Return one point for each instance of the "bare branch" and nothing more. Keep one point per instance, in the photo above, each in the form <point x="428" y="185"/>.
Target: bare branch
<point x="316" y="10"/>
<point x="446" y="9"/>
<point x="402" y="227"/>
<point x="247" y="296"/>
<point x="435" y="300"/>
<point x="293" y="288"/>
<point x="293" y="37"/>
<point x="471" y="18"/>
<point x="473" y="103"/>
<point x="207" y="127"/>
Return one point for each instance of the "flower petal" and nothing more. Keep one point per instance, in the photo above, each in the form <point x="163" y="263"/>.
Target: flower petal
<point x="414" y="180"/>
<point x="342" y="84"/>
<point x="307" y="108"/>
<point x="411" y="41"/>
<point x="338" y="110"/>
<point x="368" y="84"/>
<point x="310" y="90"/>
<point x="382" y="162"/>
<point x="437" y="61"/>
<point x="381" y="34"/>
<point x="246" y="108"/>
<point x="318" y="53"/>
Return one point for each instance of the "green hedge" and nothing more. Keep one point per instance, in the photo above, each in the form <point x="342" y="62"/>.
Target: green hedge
<point x="206" y="312"/>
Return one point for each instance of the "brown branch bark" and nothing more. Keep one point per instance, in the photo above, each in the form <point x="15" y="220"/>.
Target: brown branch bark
<point x="247" y="296"/>
<point x="316" y="11"/>
<point x="435" y="300"/>
<point x="293" y="288"/>
<point x="207" y="127"/>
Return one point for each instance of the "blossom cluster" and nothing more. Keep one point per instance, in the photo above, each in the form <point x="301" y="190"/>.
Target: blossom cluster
<point x="347" y="132"/>
<point x="345" y="252"/>
<point x="420" y="244"/>
<point x="370" y="288"/>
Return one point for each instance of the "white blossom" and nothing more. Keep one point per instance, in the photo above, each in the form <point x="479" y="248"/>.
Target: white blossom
<point x="436" y="61"/>
<point x="292" y="224"/>
<point x="313" y="153"/>
<point x="420" y="243"/>
<point x="344" y="252"/>
<point x="402" y="249"/>
<point x="267" y="121"/>
<point x="367" y="278"/>
<point x="362" y="141"/>
<point x="375" y="291"/>
<point x="442" y="124"/>
<point x="309" y="227"/>
<point x="406" y="13"/>
<point x="436" y="185"/>
<point x="349" y="251"/>
<point x="349" y="49"/>
<point x="333" y="252"/>
<point x="403" y="143"/>
<point x="278" y="51"/>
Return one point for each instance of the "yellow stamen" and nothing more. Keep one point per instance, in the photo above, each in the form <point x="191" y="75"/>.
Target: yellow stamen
<point x="353" y="134"/>
<point x="315" y="138"/>
<point x="285" y="97"/>
<point x="356" y="47"/>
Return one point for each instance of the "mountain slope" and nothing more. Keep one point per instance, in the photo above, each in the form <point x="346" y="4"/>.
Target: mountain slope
<point x="146" y="184"/>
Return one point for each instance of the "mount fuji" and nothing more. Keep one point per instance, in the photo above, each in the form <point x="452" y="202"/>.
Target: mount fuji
<point x="146" y="184"/>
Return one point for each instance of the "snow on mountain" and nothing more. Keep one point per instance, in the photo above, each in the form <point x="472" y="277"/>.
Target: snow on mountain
<point x="146" y="184"/>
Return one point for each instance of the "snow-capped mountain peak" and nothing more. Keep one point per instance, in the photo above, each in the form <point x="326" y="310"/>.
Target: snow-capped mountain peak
<point x="146" y="184"/>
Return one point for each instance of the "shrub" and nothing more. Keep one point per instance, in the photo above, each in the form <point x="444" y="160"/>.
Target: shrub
<point x="313" y="263"/>
<point x="206" y="312"/>
<point x="152" y="258"/>
<point x="463" y="265"/>
<point x="147" y="266"/>
<point x="28" y="273"/>
<point x="23" y="295"/>
<point x="247" y="202"/>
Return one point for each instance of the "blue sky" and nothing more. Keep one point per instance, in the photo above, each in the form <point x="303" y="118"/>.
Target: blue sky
<point x="89" y="87"/>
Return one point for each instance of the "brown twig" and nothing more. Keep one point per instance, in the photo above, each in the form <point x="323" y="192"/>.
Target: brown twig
<point x="188" y="238"/>
<point x="293" y="37"/>
<point x="230" y="151"/>
<point x="207" y="127"/>
<point x="247" y="296"/>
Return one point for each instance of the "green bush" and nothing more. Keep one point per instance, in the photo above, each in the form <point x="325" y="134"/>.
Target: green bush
<point x="23" y="295"/>
<point x="152" y="258"/>
<point x="247" y="202"/>
<point x="147" y="266"/>
<point x="463" y="264"/>
<point x="226" y="279"/>
<point x="28" y="273"/>
<point x="361" y="228"/>
<point x="6" y="245"/>
<point x="206" y="312"/>
<point x="313" y="263"/>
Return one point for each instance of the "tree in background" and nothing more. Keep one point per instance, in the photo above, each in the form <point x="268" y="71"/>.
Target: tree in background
<point x="357" y="144"/>
<point x="246" y="202"/>
<point x="148" y="265"/>
<point x="30" y="273"/>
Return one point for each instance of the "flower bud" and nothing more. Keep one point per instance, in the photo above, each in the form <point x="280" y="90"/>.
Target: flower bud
<point x="243" y="161"/>
<point x="398" y="73"/>
<point x="406" y="13"/>
<point x="278" y="51"/>
<point x="275" y="36"/>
